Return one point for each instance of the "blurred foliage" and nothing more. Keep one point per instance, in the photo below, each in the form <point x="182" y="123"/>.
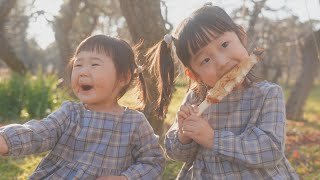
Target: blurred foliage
<point x="41" y="95"/>
<point x="29" y="97"/>
<point x="172" y="169"/>
<point x="18" y="168"/>
<point x="12" y="92"/>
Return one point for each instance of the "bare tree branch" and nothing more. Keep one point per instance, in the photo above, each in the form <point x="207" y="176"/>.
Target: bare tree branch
<point x="258" y="5"/>
<point x="163" y="3"/>
<point x="62" y="26"/>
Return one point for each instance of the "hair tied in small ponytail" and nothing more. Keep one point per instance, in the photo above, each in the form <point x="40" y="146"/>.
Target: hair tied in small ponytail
<point x="138" y="70"/>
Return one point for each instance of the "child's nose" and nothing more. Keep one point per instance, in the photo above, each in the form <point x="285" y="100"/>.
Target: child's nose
<point x="222" y="61"/>
<point x="84" y="71"/>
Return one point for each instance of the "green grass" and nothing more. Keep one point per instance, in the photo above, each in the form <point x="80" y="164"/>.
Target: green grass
<point x="172" y="170"/>
<point x="312" y="108"/>
<point x="302" y="141"/>
<point x="9" y="168"/>
<point x="18" y="167"/>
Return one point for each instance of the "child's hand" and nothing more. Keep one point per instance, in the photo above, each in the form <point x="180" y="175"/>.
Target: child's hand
<point x="199" y="130"/>
<point x="3" y="146"/>
<point x="112" y="178"/>
<point x="184" y="112"/>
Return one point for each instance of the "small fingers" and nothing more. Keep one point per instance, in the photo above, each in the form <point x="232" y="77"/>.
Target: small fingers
<point x="189" y="131"/>
<point x="194" y="118"/>
<point x="182" y="115"/>
<point x="195" y="109"/>
<point x="186" y="129"/>
<point x="187" y="108"/>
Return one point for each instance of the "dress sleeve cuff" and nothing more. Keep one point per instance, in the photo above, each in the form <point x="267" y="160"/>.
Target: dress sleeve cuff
<point x="13" y="143"/>
<point x="6" y="140"/>
<point x="181" y="146"/>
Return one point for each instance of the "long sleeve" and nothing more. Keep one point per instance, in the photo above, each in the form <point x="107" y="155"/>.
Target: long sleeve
<point x="148" y="155"/>
<point x="36" y="136"/>
<point x="175" y="149"/>
<point x="261" y="144"/>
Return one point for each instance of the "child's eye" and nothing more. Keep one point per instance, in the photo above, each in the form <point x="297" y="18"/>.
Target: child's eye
<point x="225" y="44"/>
<point x="95" y="65"/>
<point x="77" y="65"/>
<point x="205" y="61"/>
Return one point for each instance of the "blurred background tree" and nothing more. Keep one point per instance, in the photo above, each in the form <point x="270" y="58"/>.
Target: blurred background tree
<point x="7" y="51"/>
<point x="146" y="24"/>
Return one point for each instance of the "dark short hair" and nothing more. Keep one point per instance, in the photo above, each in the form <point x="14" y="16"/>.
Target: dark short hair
<point x="198" y="30"/>
<point x="121" y="53"/>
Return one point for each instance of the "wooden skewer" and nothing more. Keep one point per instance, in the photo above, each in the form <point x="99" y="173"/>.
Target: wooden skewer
<point x="230" y="80"/>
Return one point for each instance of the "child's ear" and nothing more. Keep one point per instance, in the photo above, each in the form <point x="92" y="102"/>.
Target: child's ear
<point x="190" y="74"/>
<point x="243" y="36"/>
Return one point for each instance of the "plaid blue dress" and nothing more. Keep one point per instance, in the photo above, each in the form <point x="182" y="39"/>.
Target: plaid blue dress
<point x="249" y="138"/>
<point x="86" y="144"/>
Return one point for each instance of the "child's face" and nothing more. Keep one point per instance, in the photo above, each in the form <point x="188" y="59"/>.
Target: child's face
<point x="94" y="80"/>
<point x="218" y="58"/>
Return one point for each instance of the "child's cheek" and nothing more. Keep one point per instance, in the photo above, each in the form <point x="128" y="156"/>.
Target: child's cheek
<point x="243" y="53"/>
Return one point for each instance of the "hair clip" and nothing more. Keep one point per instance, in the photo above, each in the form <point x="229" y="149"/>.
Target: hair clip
<point x="138" y="70"/>
<point x="208" y="4"/>
<point x="168" y="39"/>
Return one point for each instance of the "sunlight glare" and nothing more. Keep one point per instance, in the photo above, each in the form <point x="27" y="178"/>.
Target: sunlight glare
<point x="41" y="31"/>
<point x="39" y="28"/>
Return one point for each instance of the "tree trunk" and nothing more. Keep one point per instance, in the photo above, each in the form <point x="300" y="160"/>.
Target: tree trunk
<point x="304" y="82"/>
<point x="252" y="22"/>
<point x="7" y="53"/>
<point x="277" y="75"/>
<point x="146" y="23"/>
<point x="62" y="27"/>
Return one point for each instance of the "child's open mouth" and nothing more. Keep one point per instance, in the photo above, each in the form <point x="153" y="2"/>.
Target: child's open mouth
<point x="86" y="87"/>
